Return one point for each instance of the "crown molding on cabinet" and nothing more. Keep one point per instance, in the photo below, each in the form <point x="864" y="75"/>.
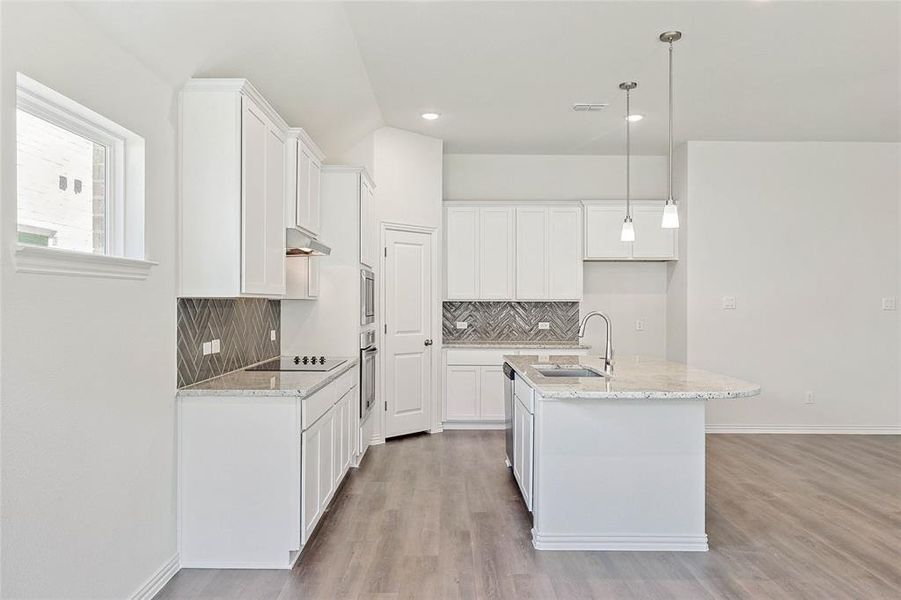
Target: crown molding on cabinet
<point x="242" y="86"/>
<point x="350" y="169"/>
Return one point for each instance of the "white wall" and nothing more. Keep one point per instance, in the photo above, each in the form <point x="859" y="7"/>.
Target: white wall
<point x="550" y="177"/>
<point x="627" y="291"/>
<point x="805" y="236"/>
<point x="88" y="498"/>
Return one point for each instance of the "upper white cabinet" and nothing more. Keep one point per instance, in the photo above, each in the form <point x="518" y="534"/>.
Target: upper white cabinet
<point x="304" y="173"/>
<point x="232" y="227"/>
<point x="603" y="225"/>
<point x="513" y="252"/>
<point x="369" y="235"/>
<point x="548" y="252"/>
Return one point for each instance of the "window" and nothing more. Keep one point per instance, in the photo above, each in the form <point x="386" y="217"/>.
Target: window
<point x="80" y="188"/>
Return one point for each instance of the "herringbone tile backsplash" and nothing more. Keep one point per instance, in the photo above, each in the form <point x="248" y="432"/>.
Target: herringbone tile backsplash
<point x="241" y="324"/>
<point x="510" y="321"/>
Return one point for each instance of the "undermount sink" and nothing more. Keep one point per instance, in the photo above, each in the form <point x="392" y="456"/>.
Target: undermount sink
<point x="566" y="371"/>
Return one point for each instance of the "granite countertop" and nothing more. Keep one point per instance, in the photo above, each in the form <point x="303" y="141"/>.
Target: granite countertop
<point x="633" y="378"/>
<point x="574" y="345"/>
<point x="268" y="383"/>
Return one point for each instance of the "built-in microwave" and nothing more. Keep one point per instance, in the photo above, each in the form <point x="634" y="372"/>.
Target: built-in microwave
<point x="367" y="297"/>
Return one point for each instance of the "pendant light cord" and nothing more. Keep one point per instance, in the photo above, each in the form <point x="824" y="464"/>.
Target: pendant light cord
<point x="628" y="152"/>
<point x="669" y="173"/>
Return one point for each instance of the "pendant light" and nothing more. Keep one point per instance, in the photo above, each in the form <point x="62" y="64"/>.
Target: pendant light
<point x="670" y="212"/>
<point x="628" y="233"/>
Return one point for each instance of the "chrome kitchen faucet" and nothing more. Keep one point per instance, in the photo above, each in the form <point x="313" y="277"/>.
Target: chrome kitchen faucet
<point x="608" y="349"/>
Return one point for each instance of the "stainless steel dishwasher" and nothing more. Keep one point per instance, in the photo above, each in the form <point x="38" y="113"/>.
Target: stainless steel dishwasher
<point x="508" y="411"/>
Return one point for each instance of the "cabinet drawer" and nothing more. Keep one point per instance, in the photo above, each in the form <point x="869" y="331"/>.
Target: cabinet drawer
<point x="320" y="402"/>
<point x="488" y="358"/>
<point x="525" y="393"/>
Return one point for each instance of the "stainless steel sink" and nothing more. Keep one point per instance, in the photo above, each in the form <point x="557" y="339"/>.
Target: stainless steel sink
<point x="566" y="371"/>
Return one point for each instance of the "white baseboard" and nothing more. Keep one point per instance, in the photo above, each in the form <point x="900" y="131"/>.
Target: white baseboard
<point x="632" y="543"/>
<point x="158" y="580"/>
<point x="482" y="425"/>
<point x="805" y="429"/>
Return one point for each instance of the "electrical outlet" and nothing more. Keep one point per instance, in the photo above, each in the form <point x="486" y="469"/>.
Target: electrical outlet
<point x="728" y="302"/>
<point x="216" y="346"/>
<point x="207" y="348"/>
<point x="639" y="325"/>
<point x="888" y="304"/>
<point x="462" y="324"/>
<point x="544" y="325"/>
<point x="272" y="335"/>
<point x="809" y="397"/>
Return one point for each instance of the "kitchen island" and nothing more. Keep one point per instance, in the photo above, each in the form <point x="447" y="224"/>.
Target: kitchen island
<point x="613" y="461"/>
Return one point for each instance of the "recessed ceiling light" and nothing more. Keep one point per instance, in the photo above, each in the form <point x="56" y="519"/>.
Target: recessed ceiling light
<point x="634" y="118"/>
<point x="430" y="116"/>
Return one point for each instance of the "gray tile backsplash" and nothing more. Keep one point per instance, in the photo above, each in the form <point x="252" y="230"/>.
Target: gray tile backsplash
<point x="510" y="321"/>
<point x="242" y="325"/>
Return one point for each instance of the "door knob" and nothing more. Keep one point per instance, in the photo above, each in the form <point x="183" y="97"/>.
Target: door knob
<point x="428" y="342"/>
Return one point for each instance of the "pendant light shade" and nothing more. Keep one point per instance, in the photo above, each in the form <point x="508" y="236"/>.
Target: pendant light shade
<point x="670" y="212"/>
<point x="628" y="232"/>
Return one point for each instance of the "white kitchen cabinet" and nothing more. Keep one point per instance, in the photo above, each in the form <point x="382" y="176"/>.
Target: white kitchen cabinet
<point x="369" y="234"/>
<point x="231" y="238"/>
<point x="462" y="392"/>
<point x="304" y="173"/>
<point x="491" y="393"/>
<point x="548" y="253"/>
<point x="603" y="227"/>
<point x="496" y="253"/>
<point x="462" y="251"/>
<point x="523" y="440"/>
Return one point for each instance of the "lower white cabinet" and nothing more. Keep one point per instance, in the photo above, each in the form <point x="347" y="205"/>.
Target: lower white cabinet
<point x="523" y="445"/>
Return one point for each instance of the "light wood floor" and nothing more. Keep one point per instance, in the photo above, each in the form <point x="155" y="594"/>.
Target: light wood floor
<point x="439" y="516"/>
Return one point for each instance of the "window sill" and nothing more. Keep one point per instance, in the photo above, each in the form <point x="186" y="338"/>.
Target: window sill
<point x="55" y="261"/>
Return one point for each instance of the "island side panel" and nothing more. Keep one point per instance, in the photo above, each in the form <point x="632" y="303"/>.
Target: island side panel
<point x="239" y="478"/>
<point x="619" y="475"/>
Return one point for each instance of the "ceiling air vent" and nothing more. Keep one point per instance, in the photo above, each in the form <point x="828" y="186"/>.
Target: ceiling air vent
<point x="589" y="106"/>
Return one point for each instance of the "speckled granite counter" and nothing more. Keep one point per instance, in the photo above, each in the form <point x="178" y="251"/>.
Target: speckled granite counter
<point x="633" y="378"/>
<point x="268" y="383"/>
<point x="518" y="345"/>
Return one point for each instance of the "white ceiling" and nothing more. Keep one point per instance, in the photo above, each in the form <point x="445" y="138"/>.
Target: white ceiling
<point x="503" y="75"/>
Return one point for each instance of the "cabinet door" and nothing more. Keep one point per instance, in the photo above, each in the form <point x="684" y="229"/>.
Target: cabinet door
<point x="461" y="231"/>
<point x="462" y="393"/>
<point x="302" y="192"/>
<point x="651" y="240"/>
<point x="353" y="401"/>
<point x="326" y="458"/>
<point x="275" y="211"/>
<point x="368" y="234"/>
<point x="340" y="443"/>
<point x="310" y="497"/>
<point x="254" y="141"/>
<point x="531" y="254"/>
<point x="315" y="181"/>
<point x="603" y="227"/>
<point x="518" y="422"/>
<point x="495" y="250"/>
<point x="527" y="457"/>
<point x="491" y="393"/>
<point x="564" y="251"/>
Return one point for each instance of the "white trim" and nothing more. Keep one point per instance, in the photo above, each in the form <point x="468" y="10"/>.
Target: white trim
<point x="474" y="425"/>
<point x="58" y="261"/>
<point x="641" y="542"/>
<point x="808" y="429"/>
<point x="241" y="86"/>
<point x="158" y="580"/>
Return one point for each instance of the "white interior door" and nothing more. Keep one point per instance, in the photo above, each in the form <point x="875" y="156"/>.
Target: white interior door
<point x="408" y="341"/>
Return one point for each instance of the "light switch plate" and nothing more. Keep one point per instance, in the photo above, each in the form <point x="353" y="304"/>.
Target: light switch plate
<point x="639" y="325"/>
<point x="544" y="325"/>
<point x="207" y="348"/>
<point x="728" y="302"/>
<point x="216" y="346"/>
<point x="888" y="304"/>
<point x="272" y="335"/>
<point x="462" y="324"/>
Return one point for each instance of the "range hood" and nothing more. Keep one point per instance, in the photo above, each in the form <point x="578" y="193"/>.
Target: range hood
<point x="298" y="243"/>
